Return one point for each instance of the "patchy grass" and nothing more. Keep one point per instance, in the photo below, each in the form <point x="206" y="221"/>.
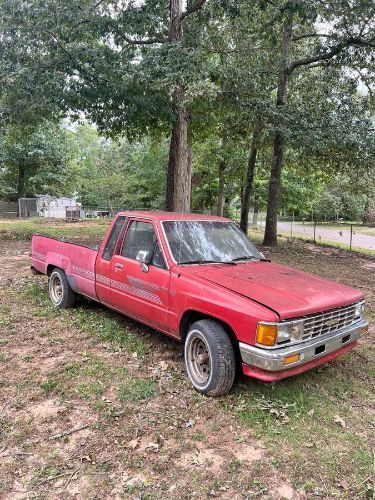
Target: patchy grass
<point x="83" y="231"/>
<point x="135" y="389"/>
<point x="147" y="433"/>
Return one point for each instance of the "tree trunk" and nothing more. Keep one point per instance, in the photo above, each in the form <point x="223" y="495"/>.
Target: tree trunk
<point x="21" y="191"/>
<point x="190" y="169"/>
<point x="256" y="212"/>
<point x="245" y="204"/>
<point x="221" y="190"/>
<point x="270" y="234"/>
<point x="178" y="189"/>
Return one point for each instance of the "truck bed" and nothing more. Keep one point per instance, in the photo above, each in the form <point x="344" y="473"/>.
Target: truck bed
<point x="78" y="262"/>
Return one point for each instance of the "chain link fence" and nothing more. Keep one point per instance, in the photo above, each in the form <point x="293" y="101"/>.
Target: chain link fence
<point x="342" y="234"/>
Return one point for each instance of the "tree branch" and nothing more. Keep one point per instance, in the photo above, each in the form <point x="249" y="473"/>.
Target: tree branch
<point x="149" y="41"/>
<point x="194" y="8"/>
<point x="334" y="51"/>
<point x="84" y="21"/>
<point x="324" y="56"/>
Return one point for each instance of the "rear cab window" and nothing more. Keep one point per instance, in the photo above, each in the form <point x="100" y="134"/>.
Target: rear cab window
<point x="118" y="227"/>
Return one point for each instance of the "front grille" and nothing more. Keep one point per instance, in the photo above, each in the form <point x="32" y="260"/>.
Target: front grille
<point x="328" y="322"/>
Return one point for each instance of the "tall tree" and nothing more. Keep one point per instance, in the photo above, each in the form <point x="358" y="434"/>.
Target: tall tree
<point x="351" y="28"/>
<point x="34" y="160"/>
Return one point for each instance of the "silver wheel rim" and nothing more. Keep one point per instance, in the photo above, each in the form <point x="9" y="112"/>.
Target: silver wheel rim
<point x="56" y="289"/>
<point x="199" y="360"/>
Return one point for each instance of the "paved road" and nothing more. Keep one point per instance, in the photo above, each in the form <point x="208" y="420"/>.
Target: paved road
<point x="329" y="234"/>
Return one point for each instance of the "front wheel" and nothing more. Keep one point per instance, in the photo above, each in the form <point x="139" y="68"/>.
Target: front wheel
<point x="59" y="290"/>
<point x="209" y="358"/>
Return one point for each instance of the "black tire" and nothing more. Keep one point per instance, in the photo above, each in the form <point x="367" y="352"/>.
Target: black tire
<point x="208" y="338"/>
<point x="60" y="293"/>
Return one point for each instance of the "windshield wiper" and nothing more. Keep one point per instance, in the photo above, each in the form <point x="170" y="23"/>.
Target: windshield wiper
<point x="244" y="257"/>
<point x="201" y="261"/>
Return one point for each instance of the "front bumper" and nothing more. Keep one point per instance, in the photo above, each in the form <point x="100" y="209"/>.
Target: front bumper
<point x="311" y="353"/>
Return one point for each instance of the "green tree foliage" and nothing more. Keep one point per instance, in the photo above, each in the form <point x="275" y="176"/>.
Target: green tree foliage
<point x="240" y="89"/>
<point x="33" y="160"/>
<point x="113" y="174"/>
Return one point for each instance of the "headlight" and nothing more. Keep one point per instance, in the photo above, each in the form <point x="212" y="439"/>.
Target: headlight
<point x="292" y="331"/>
<point x="270" y="334"/>
<point x="359" y="311"/>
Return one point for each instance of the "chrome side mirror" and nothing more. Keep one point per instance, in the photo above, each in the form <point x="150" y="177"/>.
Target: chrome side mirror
<point x="143" y="256"/>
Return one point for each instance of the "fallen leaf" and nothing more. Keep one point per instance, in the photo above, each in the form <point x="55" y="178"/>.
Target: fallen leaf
<point x="133" y="444"/>
<point x="154" y="446"/>
<point x="163" y="366"/>
<point x="338" y="420"/>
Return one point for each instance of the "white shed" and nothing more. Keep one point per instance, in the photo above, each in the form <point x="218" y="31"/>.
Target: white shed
<point x="58" y="208"/>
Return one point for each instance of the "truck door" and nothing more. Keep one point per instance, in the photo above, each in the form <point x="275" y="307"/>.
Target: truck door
<point x="103" y="260"/>
<point x="138" y="290"/>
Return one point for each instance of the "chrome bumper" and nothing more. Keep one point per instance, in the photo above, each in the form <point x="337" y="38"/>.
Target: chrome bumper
<point x="273" y="359"/>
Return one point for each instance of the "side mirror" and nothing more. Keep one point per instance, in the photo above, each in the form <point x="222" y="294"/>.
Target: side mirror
<point x="143" y="256"/>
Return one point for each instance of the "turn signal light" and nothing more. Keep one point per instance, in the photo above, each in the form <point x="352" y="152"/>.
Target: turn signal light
<point x="266" y="334"/>
<point x="291" y="359"/>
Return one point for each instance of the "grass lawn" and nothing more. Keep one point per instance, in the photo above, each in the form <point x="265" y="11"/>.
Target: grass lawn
<point x="96" y="405"/>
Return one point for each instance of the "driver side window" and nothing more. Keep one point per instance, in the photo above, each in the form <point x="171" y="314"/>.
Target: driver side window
<point x="141" y="236"/>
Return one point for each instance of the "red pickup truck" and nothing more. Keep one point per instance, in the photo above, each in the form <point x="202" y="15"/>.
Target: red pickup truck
<point x="200" y="280"/>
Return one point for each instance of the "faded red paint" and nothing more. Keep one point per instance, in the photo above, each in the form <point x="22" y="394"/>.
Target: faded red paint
<point x="240" y="295"/>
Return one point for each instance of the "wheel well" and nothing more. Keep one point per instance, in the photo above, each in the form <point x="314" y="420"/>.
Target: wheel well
<point x="190" y="317"/>
<point x="50" y="268"/>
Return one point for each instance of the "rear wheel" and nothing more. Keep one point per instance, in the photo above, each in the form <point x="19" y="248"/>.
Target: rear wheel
<point x="209" y="358"/>
<point x="59" y="289"/>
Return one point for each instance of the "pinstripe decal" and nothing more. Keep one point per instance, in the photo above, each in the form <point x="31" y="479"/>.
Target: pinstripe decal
<point x="136" y="291"/>
<point x="39" y="256"/>
<point x="103" y="279"/>
<point x="143" y="285"/>
<point x="137" y="287"/>
<point x="84" y="273"/>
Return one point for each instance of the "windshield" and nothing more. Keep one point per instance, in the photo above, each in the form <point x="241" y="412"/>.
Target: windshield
<point x="208" y="241"/>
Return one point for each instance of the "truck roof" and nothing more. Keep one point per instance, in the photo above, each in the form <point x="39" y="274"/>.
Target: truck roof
<point x="164" y="216"/>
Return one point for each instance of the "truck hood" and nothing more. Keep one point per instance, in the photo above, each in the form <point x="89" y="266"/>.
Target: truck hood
<point x="285" y="290"/>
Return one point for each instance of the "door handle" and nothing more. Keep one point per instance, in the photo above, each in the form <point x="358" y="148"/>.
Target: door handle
<point x="119" y="266"/>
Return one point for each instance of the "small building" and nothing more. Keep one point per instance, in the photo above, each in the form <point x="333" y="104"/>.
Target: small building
<point x="59" y="208"/>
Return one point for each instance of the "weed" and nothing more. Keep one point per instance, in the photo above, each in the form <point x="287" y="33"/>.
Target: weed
<point x="44" y="474"/>
<point x="49" y="385"/>
<point x="87" y="390"/>
<point x="5" y="427"/>
<point x="198" y="436"/>
<point x="235" y="466"/>
<point x="135" y="389"/>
